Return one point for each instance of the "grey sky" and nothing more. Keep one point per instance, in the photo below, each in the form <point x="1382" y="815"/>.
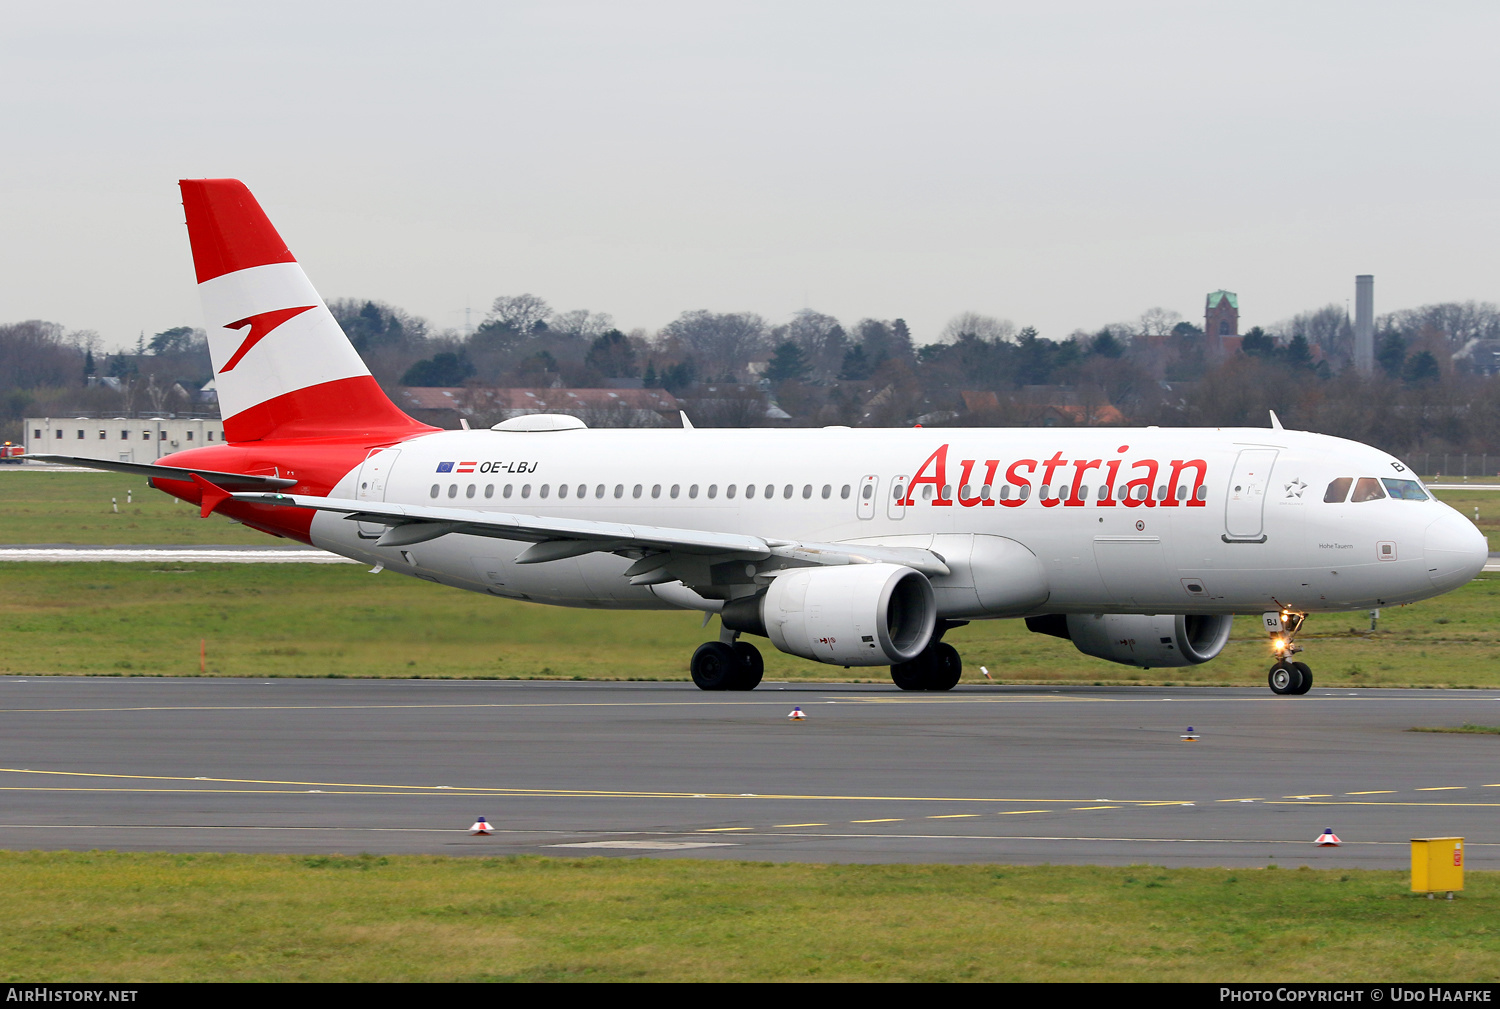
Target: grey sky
<point x="1063" y="165"/>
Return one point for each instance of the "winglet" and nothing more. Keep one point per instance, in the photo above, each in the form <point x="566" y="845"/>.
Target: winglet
<point x="213" y="495"/>
<point x="686" y="424"/>
<point x="1276" y="422"/>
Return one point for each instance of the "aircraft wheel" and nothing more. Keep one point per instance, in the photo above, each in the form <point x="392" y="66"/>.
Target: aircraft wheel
<point x="946" y="668"/>
<point x="715" y="666"/>
<point x="911" y="675"/>
<point x="1284" y="678"/>
<point x="1305" y="671"/>
<point x="752" y="666"/>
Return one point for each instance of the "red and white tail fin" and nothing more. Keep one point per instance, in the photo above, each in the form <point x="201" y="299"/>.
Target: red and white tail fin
<point x="282" y="365"/>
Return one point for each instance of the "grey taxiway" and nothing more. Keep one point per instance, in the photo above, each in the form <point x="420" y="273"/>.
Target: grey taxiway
<point x="981" y="774"/>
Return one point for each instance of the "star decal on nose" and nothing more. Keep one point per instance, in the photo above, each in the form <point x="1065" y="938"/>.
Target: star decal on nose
<point x="1295" y="488"/>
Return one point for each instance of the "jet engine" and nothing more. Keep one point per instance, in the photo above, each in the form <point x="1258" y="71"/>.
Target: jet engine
<point x="853" y="615"/>
<point x="1150" y="642"/>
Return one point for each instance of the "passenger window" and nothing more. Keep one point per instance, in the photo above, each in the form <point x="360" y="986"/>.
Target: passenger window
<point x="656" y="490"/>
<point x="693" y="491"/>
<point x="867" y="492"/>
<point x="583" y="490"/>
<point x="713" y="491"/>
<point x="1338" y="490"/>
<point x="619" y="490"/>
<point x="806" y="491"/>
<point x="469" y="491"/>
<point x="1083" y="492"/>
<point x="827" y="490"/>
<point x="489" y="490"/>
<point x="898" y="492"/>
<point x="786" y="492"/>
<point x="1368" y="489"/>
<point x="1025" y="492"/>
<point x="729" y="491"/>
<point x="635" y="491"/>
<point x="771" y="492"/>
<point x="543" y="491"/>
<point x="435" y="490"/>
<point x="749" y="491"/>
<point x="1405" y="490"/>
<point x="984" y="493"/>
<point x="845" y="492"/>
<point x="1005" y="492"/>
<point x="562" y="490"/>
<point x="526" y="490"/>
<point x="927" y="492"/>
<point x="675" y="488"/>
<point x="453" y="490"/>
<point x="1202" y="494"/>
<point x="508" y="489"/>
<point x="599" y="491"/>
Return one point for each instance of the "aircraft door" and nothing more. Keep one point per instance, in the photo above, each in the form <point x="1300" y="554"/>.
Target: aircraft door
<point x="1244" y="508"/>
<point x="894" y="509"/>
<point x="865" y="502"/>
<point x="374" y="475"/>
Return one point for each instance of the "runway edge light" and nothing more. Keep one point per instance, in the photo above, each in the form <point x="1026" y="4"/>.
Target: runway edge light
<point x="481" y="827"/>
<point x="796" y="715"/>
<point x="1327" y="839"/>
<point x="1190" y="736"/>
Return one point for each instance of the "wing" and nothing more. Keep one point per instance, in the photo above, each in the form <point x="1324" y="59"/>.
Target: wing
<point x="698" y="558"/>
<point x="228" y="481"/>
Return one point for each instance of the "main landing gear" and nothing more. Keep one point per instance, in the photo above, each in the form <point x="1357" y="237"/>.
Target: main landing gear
<point x="938" y="667"/>
<point x="727" y="664"/>
<point x="1286" y="676"/>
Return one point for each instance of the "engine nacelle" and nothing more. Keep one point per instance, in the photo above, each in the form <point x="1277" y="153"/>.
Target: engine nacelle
<point x="1151" y="642"/>
<point x="853" y="615"/>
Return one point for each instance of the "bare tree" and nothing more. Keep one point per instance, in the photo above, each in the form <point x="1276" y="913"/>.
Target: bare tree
<point x="726" y="342"/>
<point x="980" y="327"/>
<point x="581" y="322"/>
<point x="820" y="338"/>
<point x="520" y="312"/>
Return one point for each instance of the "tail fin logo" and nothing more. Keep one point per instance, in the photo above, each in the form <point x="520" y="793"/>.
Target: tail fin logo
<point x="261" y="326"/>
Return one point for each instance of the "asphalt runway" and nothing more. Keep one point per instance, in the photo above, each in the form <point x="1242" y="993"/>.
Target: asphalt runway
<point x="983" y="774"/>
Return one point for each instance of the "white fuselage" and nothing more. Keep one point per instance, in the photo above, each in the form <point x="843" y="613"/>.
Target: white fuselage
<point x="1206" y="521"/>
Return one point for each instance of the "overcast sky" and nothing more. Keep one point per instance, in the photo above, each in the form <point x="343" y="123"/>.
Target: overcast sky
<point x="1062" y="165"/>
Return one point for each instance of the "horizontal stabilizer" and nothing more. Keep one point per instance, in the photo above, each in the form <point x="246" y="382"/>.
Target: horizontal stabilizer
<point x="228" y="481"/>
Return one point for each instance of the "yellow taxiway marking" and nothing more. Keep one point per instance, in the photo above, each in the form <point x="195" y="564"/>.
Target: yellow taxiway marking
<point x="1013" y="812"/>
<point x="1307" y="796"/>
<point x="954" y="816"/>
<point x="799" y="824"/>
<point x="1173" y="803"/>
<point x="887" y="820"/>
<point x="1256" y="799"/>
<point x="1378" y="791"/>
<point x="1445" y="805"/>
<point x="1443" y="788"/>
<point x="197" y="783"/>
<point x="720" y="830"/>
<point x="1096" y="807"/>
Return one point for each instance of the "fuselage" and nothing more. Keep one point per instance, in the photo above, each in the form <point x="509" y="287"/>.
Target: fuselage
<point x="1193" y="521"/>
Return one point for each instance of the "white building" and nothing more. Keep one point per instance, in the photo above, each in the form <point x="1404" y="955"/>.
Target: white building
<point x="143" y="439"/>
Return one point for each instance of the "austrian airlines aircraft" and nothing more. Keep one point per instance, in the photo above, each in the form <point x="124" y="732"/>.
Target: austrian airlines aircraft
<point x="851" y="547"/>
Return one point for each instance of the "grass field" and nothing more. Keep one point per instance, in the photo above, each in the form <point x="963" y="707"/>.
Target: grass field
<point x="338" y="620"/>
<point x="158" y="917"/>
<point x="42" y="507"/>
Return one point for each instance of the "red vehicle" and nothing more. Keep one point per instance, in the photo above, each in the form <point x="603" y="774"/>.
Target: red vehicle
<point x="12" y="453"/>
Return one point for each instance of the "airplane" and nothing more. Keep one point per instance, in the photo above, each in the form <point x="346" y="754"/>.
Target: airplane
<point x="843" y="546"/>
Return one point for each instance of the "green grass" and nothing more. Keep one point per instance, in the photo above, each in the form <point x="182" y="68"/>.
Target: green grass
<point x="338" y="620"/>
<point x="1468" y="728"/>
<point x="75" y="508"/>
<point x="107" y="916"/>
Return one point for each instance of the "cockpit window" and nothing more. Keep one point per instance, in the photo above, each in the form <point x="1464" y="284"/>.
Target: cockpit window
<point x="1338" y="490"/>
<point x="1368" y="489"/>
<point x="1405" y="490"/>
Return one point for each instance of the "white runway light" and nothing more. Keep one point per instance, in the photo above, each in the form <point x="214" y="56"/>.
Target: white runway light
<point x="797" y="715"/>
<point x="1328" y="839"/>
<point x="481" y="827"/>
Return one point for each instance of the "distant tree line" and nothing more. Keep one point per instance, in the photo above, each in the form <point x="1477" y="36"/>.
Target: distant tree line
<point x="1434" y="387"/>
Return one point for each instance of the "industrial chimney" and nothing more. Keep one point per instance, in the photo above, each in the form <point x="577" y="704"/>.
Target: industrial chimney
<point x="1364" y="323"/>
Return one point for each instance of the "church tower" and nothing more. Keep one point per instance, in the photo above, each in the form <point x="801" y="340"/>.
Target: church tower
<point x="1221" y="322"/>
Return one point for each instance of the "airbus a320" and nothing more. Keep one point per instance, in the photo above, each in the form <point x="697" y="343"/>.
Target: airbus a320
<point x="843" y="546"/>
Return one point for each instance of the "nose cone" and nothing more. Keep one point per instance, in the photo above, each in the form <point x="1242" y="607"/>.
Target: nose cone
<point x="1455" y="551"/>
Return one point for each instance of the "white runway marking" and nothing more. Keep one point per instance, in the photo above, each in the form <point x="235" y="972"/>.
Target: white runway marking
<point x="173" y="555"/>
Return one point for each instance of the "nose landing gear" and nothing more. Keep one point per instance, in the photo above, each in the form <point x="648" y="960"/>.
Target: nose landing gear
<point x="1286" y="676"/>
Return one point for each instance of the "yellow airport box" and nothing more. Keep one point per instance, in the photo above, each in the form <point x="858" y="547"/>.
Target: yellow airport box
<point x="1437" y="863"/>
